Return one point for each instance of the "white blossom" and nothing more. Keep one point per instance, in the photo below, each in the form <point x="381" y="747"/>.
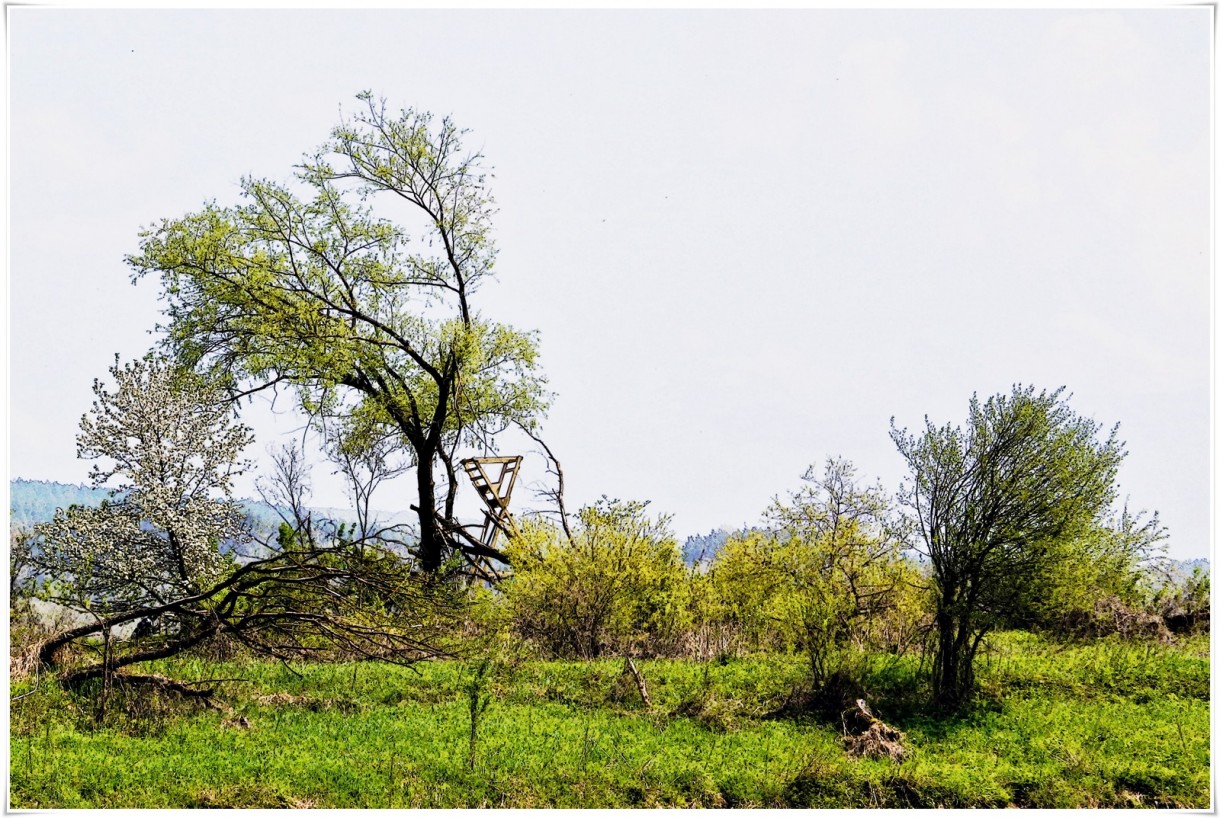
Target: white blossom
<point x="167" y="443"/>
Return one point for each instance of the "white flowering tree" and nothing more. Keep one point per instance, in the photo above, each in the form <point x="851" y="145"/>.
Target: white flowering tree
<point x="162" y="547"/>
<point x="167" y="444"/>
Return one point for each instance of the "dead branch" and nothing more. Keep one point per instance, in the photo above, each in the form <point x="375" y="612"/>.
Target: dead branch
<point x="555" y="494"/>
<point x="639" y="681"/>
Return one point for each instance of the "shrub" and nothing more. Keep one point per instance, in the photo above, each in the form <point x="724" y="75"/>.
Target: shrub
<point x="1106" y="571"/>
<point x="616" y="586"/>
<point x="826" y="577"/>
<point x="1185" y="602"/>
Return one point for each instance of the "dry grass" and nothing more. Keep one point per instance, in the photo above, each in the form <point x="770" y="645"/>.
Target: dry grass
<point x="873" y="738"/>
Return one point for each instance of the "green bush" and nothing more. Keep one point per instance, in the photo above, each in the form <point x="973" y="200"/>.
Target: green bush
<point x="827" y="578"/>
<point x="616" y="587"/>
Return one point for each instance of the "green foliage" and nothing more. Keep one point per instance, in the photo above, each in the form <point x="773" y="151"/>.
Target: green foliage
<point x="616" y="587"/>
<point x="995" y="506"/>
<point x="1114" y="558"/>
<point x="745" y="585"/>
<point x="305" y="284"/>
<point x="379" y="736"/>
<point x="827" y="574"/>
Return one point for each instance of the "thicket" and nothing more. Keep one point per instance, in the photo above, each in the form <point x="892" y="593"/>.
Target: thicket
<point x="828" y="575"/>
<point x="615" y="586"/>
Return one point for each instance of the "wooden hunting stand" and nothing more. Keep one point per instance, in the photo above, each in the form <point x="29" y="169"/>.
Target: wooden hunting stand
<point x="496" y="494"/>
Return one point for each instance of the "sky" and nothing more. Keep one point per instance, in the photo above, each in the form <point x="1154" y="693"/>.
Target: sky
<point x="747" y="239"/>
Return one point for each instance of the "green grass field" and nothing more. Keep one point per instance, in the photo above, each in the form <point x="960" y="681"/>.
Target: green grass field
<point x="1085" y="725"/>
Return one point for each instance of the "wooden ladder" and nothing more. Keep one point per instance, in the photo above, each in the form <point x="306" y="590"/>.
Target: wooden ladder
<point x="495" y="493"/>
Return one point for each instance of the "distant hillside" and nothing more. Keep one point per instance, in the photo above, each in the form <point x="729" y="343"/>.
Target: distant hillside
<point x="35" y="501"/>
<point x="1184" y="568"/>
<point x="701" y="549"/>
<point x="1190" y="565"/>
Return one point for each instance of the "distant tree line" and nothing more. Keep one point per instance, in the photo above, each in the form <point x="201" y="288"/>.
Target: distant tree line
<point x="35" y="501"/>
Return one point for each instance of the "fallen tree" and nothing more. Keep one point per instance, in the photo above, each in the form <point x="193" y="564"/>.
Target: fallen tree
<point x="167" y="554"/>
<point x="305" y="601"/>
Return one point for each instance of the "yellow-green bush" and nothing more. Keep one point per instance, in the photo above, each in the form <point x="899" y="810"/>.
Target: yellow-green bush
<point x="616" y="587"/>
<point x="827" y="575"/>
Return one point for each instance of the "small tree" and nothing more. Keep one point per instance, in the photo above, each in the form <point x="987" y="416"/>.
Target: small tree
<point x="992" y="506"/>
<point x="857" y="543"/>
<point x="167" y="444"/>
<point x="615" y="587"/>
<point x="827" y="572"/>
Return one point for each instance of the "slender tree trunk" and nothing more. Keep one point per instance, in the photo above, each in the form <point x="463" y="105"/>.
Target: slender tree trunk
<point x="452" y="483"/>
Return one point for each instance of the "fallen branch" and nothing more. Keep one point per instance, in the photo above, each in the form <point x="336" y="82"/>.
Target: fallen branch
<point x="639" y="681"/>
<point x="73" y="681"/>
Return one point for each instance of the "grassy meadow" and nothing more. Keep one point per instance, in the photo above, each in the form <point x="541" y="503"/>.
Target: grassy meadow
<point x="1079" y="724"/>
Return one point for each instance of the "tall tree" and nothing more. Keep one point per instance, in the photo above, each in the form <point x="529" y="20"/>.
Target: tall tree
<point x="305" y="285"/>
<point x="992" y="505"/>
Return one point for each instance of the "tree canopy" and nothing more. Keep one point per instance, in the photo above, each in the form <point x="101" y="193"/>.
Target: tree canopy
<point x="306" y="285"/>
<point x="167" y="445"/>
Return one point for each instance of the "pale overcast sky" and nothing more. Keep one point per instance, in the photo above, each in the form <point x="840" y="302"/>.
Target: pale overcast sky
<point x="747" y="239"/>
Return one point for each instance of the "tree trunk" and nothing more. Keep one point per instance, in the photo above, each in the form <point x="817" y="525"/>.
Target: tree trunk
<point x="431" y="538"/>
<point x="953" y="669"/>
